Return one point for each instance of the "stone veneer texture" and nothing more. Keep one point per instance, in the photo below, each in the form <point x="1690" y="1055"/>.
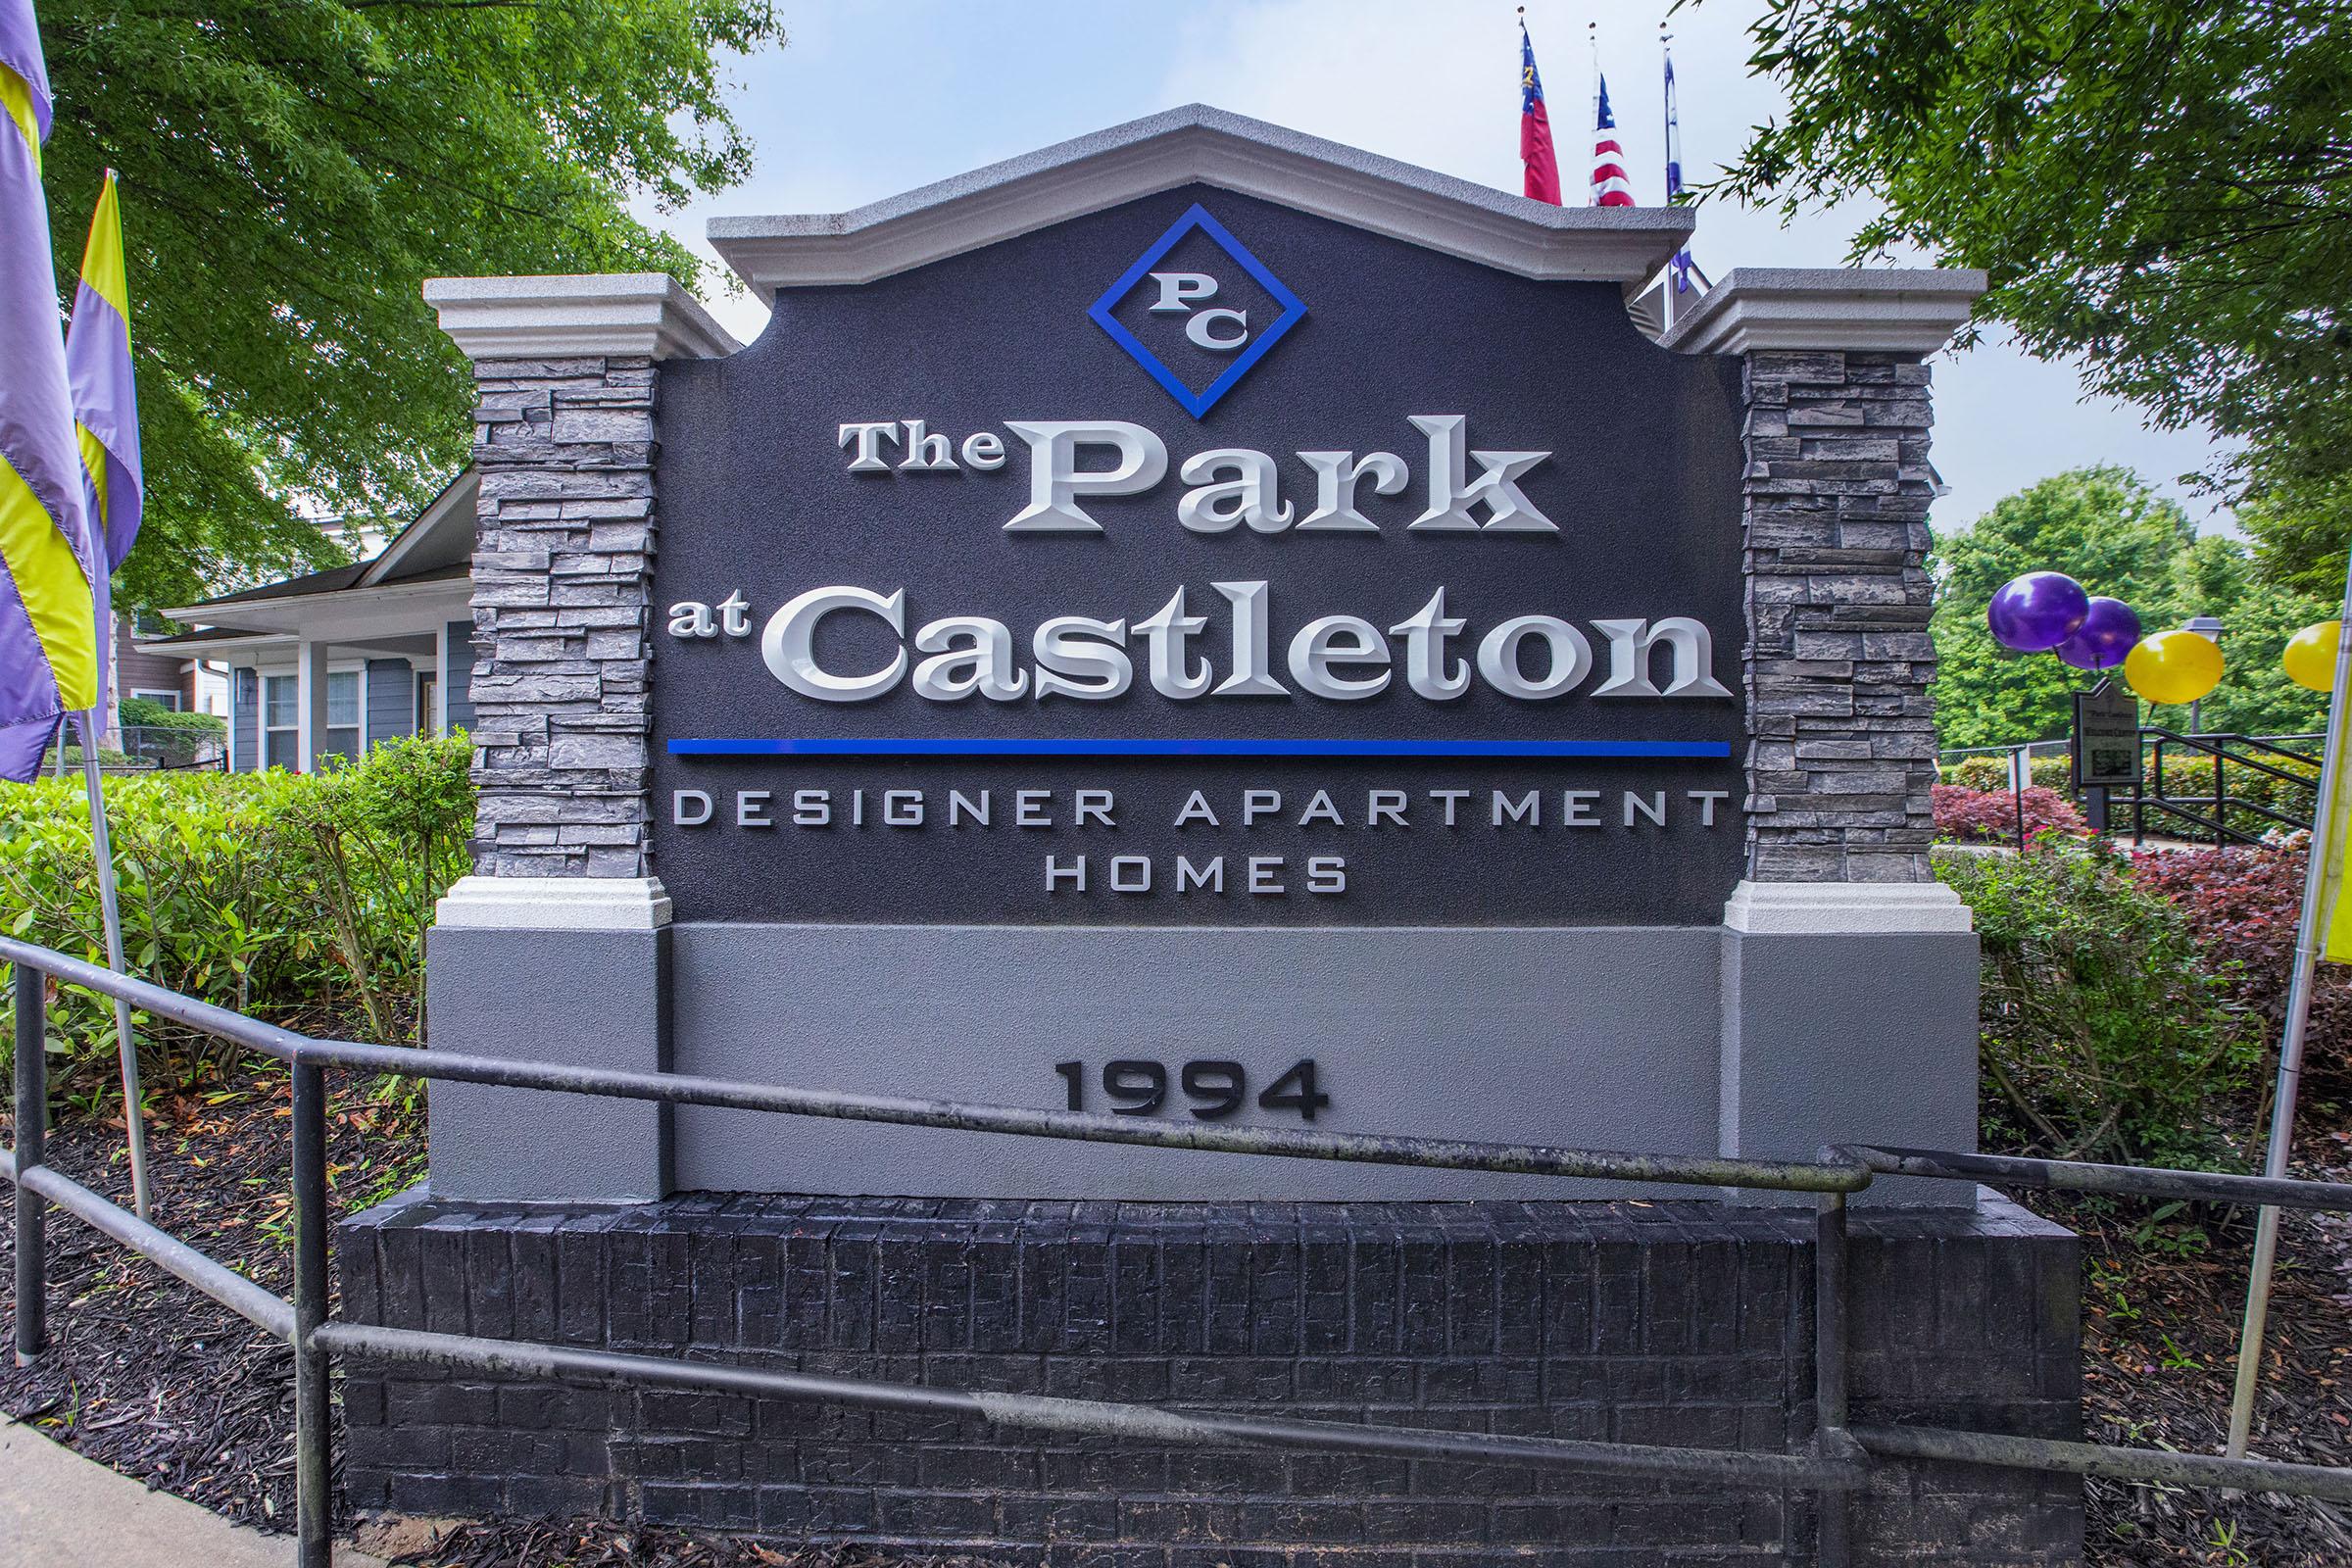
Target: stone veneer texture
<point x="561" y="585"/>
<point x="1841" y="733"/>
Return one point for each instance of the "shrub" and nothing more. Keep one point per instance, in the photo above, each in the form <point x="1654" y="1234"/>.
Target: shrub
<point x="108" y="757"/>
<point x="263" y="892"/>
<point x="1976" y="816"/>
<point x="1986" y="772"/>
<point x="2104" y="1035"/>
<point x="145" y="712"/>
<point x="381" y="840"/>
<point x="1978" y="773"/>
<point x="2243" y="906"/>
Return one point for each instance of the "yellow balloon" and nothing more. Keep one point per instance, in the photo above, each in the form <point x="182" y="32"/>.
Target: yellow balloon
<point x="2173" y="666"/>
<point x="2310" y="655"/>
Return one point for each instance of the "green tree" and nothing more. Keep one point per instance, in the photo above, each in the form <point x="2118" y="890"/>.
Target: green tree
<point x="2106" y="529"/>
<point x="2163" y="187"/>
<point x="294" y="169"/>
<point x="2100" y="526"/>
<point x="2255" y="697"/>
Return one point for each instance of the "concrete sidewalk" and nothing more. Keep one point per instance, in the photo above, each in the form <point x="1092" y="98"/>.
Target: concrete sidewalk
<point x="60" y="1510"/>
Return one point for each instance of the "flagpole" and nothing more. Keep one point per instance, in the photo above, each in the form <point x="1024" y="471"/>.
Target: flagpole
<point x="2322" y="882"/>
<point x="110" y="907"/>
<point x="1666" y="126"/>
<point x="1592" y="118"/>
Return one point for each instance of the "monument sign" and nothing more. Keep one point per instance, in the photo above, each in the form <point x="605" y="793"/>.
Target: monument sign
<point x="1204" y="623"/>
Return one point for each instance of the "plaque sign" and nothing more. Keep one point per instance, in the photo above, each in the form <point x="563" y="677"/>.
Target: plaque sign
<point x="2107" y="737"/>
<point x="1199" y="562"/>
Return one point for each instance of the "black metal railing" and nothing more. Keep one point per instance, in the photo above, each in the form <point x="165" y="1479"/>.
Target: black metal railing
<point x="1836" y="1461"/>
<point x="170" y="747"/>
<point x="2206" y="813"/>
<point x="2198" y="807"/>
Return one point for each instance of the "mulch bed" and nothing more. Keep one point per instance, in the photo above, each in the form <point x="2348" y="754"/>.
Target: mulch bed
<point x="148" y="1377"/>
<point x="601" y="1545"/>
<point x="2160" y="1324"/>
<point x="143" y="1373"/>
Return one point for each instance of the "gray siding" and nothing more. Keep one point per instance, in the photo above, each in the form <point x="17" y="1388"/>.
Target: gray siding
<point x="391" y="699"/>
<point x="136" y="671"/>
<point x="245" y="719"/>
<point x="461" y="674"/>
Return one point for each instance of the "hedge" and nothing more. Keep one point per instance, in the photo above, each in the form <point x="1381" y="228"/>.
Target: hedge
<point x="145" y="712"/>
<point x="263" y="892"/>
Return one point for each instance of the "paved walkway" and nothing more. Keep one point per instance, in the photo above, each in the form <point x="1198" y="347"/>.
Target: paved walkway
<point x="60" y="1510"/>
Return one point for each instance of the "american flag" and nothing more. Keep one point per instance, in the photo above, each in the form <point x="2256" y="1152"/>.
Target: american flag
<point x="1610" y="187"/>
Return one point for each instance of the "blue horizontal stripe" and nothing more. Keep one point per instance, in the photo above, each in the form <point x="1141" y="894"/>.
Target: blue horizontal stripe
<point x="926" y="747"/>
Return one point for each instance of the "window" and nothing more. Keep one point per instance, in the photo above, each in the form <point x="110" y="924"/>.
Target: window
<point x="281" y="732"/>
<point x="426" y="684"/>
<point x="170" y="700"/>
<point x="343" y="713"/>
<point x="280" y="737"/>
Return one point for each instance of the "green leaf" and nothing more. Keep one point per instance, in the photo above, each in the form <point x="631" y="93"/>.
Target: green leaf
<point x="2160" y="191"/>
<point x="292" y="170"/>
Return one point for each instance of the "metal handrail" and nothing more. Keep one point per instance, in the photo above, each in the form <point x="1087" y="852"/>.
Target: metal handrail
<point x="1090" y="1417"/>
<point x="685" y="1088"/>
<point x="2218" y="748"/>
<point x="2173" y="806"/>
<point x="1835" y="1463"/>
<point x="2225" y="749"/>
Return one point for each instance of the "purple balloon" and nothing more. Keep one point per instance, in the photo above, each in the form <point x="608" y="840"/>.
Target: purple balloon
<point x="2035" y="613"/>
<point x="2107" y="633"/>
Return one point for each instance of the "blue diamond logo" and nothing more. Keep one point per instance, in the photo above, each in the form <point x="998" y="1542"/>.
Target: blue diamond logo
<point x="1216" y="340"/>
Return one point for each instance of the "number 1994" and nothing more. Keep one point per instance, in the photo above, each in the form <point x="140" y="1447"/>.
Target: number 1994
<point x="1216" y="1088"/>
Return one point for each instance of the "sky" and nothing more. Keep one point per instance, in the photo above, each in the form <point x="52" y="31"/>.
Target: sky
<point x="867" y="100"/>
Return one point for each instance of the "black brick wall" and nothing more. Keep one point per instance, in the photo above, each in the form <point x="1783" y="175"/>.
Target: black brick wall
<point x="1670" y="1322"/>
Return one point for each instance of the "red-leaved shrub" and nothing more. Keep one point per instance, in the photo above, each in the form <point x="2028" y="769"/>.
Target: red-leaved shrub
<point x="1990" y="816"/>
<point x="2243" y="906"/>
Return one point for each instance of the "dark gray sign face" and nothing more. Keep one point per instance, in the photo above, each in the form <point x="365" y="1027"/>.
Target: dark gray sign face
<point x="1199" y="562"/>
<point x="2107" y="737"/>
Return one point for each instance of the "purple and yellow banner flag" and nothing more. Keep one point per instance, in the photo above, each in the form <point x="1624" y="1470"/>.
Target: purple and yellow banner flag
<point x="48" y="636"/>
<point x="106" y="408"/>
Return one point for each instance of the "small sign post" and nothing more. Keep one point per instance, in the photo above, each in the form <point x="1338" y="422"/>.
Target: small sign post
<point x="2106" y="745"/>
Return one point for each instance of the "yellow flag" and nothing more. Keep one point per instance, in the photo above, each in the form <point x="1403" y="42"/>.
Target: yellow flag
<point x="2331" y="831"/>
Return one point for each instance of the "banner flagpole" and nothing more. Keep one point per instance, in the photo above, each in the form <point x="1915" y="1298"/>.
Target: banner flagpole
<point x="110" y="905"/>
<point x="106" y="419"/>
<point x="2322" y="883"/>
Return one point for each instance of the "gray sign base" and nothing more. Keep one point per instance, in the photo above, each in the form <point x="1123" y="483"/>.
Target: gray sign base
<point x="1676" y="1323"/>
<point x="1813" y="1016"/>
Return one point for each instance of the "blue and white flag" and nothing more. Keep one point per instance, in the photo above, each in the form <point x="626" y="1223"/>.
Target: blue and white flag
<point x="1674" y="171"/>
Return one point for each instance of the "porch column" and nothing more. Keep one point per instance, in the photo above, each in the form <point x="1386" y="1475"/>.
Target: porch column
<point x="438" y="718"/>
<point x="310" y="704"/>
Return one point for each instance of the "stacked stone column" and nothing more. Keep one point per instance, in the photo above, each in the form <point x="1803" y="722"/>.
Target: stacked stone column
<point x="1838" y="661"/>
<point x="557" y="948"/>
<point x="1841" y="731"/>
<point x="1846" y="967"/>
<point x="565" y="377"/>
<point x="563" y="569"/>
